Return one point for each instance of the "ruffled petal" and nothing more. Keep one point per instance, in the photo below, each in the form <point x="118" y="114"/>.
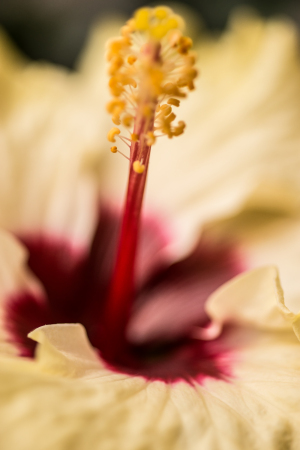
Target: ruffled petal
<point x="265" y="238"/>
<point x="251" y="298"/>
<point x="50" y="135"/>
<point x="65" y="350"/>
<point x="257" y="406"/>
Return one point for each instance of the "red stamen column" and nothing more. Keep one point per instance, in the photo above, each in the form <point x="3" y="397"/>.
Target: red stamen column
<point x="121" y="295"/>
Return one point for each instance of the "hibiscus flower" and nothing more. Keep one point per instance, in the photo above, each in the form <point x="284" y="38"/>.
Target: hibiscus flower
<point x="172" y="353"/>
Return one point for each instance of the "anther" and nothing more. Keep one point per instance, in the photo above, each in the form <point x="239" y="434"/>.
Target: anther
<point x="165" y="110"/>
<point x="150" y="63"/>
<point x="131" y="59"/>
<point x="116" y="120"/>
<point x="161" y="12"/>
<point x="113" y="149"/>
<point x="134" y="137"/>
<point x="112" y="133"/>
<point x="127" y="120"/>
<point x="147" y="111"/>
<point x="173" y="101"/>
<point x="138" y="167"/>
<point x="150" y="138"/>
<point x="141" y="19"/>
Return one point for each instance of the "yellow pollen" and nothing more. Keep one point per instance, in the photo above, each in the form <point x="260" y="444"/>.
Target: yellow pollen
<point x="173" y="23"/>
<point x="116" y="120"/>
<point x="113" y="149"/>
<point x="173" y="101"/>
<point x="127" y="120"/>
<point x="131" y="59"/>
<point x="150" y="138"/>
<point x="138" y="167"/>
<point x="190" y="59"/>
<point x="174" y="37"/>
<point x="151" y="68"/>
<point x="134" y="137"/>
<point x="112" y="133"/>
<point x="141" y="19"/>
<point x="179" y="129"/>
<point x="161" y="12"/>
<point x="147" y="111"/>
<point x="172" y="90"/>
<point x="165" y="110"/>
<point x="170" y="118"/>
<point x="184" y="44"/>
<point x="115" y="104"/>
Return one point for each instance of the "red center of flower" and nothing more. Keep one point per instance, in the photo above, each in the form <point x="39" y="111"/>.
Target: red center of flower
<point x="166" y="306"/>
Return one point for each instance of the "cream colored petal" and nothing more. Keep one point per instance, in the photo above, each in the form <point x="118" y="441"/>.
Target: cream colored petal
<point x="259" y="408"/>
<point x="265" y="238"/>
<point x="65" y="351"/>
<point x="45" y="139"/>
<point x="256" y="408"/>
<point x="52" y="134"/>
<point x="242" y="136"/>
<point x="251" y="299"/>
<point x="290" y="316"/>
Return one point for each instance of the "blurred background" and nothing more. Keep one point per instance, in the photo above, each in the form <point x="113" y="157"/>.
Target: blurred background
<point x="55" y="30"/>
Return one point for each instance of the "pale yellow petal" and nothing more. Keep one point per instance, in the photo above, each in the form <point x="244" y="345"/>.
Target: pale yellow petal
<point x="250" y="299"/>
<point x="264" y="238"/>
<point x="65" y="351"/>
<point x="51" y="138"/>
<point x="257" y="407"/>
<point x="292" y="317"/>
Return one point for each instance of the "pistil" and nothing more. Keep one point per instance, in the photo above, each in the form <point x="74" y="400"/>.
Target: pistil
<point x="141" y="79"/>
<point x="121" y="295"/>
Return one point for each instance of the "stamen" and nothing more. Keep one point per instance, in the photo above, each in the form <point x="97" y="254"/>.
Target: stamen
<point x="112" y="133"/>
<point x="173" y="101"/>
<point x="138" y="167"/>
<point x="148" y="65"/>
<point x="134" y="137"/>
<point x="123" y="140"/>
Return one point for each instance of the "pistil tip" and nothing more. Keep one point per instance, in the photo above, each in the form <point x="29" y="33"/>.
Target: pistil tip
<point x="151" y="68"/>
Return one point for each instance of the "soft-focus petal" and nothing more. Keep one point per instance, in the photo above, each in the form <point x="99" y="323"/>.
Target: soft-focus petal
<point x="256" y="407"/>
<point x="265" y="238"/>
<point x="50" y="133"/>
<point x="65" y="351"/>
<point x="242" y="126"/>
<point x="251" y="298"/>
<point x="242" y="138"/>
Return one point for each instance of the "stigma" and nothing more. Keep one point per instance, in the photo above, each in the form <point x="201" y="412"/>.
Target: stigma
<point x="151" y="69"/>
